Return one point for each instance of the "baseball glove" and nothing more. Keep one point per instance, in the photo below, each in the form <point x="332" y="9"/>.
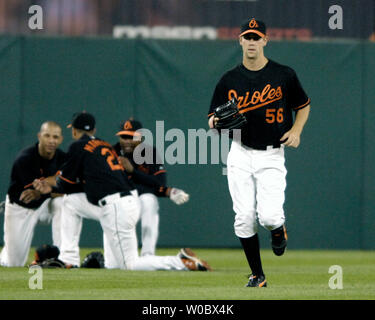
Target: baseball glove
<point x="229" y="116"/>
<point x="93" y="260"/>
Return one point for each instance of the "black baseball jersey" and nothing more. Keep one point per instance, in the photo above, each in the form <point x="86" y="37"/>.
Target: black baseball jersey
<point x="266" y="97"/>
<point x="148" y="177"/>
<point x="93" y="164"/>
<point x="27" y="167"/>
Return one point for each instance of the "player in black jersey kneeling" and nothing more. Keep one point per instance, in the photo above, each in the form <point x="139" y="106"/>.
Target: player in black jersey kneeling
<point x="109" y="197"/>
<point x="149" y="177"/>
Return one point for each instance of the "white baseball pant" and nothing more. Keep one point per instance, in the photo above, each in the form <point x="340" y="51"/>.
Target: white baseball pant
<point x="118" y="219"/>
<point x="19" y="225"/>
<point x="75" y="207"/>
<point x="149" y="223"/>
<point x="257" y="182"/>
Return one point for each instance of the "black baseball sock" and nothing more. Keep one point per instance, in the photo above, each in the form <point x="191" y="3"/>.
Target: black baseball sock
<point x="278" y="232"/>
<point x="252" y="252"/>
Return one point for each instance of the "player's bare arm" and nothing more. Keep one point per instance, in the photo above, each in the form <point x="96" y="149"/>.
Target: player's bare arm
<point x="292" y="137"/>
<point x="51" y="180"/>
<point x="29" y="195"/>
<point x="42" y="186"/>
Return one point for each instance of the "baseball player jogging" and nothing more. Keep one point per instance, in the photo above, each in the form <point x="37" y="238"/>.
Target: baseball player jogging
<point x="150" y="179"/>
<point x="25" y="206"/>
<point x="94" y="165"/>
<point x="265" y="93"/>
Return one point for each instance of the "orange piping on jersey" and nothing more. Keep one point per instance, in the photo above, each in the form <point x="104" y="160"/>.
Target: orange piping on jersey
<point x="211" y="114"/>
<point x="158" y="172"/>
<point x="304" y="105"/>
<point x="259" y="105"/>
<point x="67" y="180"/>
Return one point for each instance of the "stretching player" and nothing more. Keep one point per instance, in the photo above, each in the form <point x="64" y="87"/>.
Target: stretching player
<point x="267" y="93"/>
<point x="25" y="206"/>
<point x="150" y="181"/>
<point x="94" y="164"/>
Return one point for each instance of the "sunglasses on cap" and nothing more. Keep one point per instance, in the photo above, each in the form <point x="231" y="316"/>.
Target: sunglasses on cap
<point x="125" y="136"/>
<point x="249" y="36"/>
<point x="129" y="137"/>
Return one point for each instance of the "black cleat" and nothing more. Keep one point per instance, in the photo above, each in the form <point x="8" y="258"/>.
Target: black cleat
<point x="257" y="281"/>
<point x="279" y="240"/>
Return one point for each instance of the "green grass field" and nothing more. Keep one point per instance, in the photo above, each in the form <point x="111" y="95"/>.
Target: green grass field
<point x="296" y="275"/>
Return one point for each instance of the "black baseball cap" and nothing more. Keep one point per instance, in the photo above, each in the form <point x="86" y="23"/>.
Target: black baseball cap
<point x="83" y="121"/>
<point x="253" y="26"/>
<point x="129" y="128"/>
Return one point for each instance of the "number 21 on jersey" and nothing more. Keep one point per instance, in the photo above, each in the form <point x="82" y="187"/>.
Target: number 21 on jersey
<point x="111" y="159"/>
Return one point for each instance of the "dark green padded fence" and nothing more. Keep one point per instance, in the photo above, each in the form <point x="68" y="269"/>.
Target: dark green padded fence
<point x="330" y="198"/>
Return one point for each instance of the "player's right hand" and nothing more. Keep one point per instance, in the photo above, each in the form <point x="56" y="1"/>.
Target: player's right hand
<point x="126" y="164"/>
<point x="42" y="186"/>
<point x="178" y="196"/>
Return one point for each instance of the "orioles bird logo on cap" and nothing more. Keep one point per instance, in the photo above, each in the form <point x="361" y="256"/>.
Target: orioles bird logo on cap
<point x="253" y="23"/>
<point x="128" y="125"/>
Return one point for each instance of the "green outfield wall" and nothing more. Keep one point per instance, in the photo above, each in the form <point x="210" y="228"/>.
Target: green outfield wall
<point x="330" y="196"/>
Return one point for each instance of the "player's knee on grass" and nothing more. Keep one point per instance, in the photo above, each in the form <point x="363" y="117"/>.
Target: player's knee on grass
<point x="17" y="257"/>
